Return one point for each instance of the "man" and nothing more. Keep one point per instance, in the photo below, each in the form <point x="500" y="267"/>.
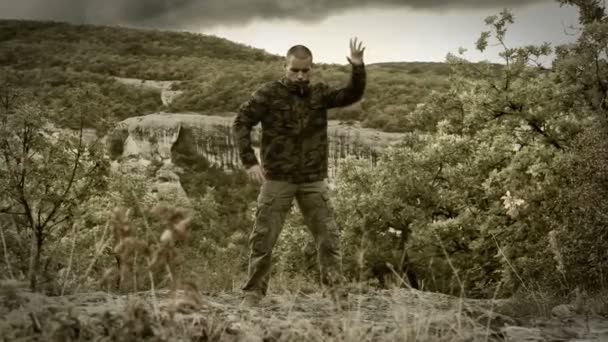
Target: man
<point x="294" y="158"/>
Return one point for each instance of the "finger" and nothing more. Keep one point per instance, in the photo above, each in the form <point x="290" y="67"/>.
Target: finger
<point x="363" y="50"/>
<point x="350" y="44"/>
<point x="360" y="45"/>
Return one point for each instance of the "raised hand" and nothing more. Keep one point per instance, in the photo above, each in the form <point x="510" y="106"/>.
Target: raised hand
<point x="356" y="52"/>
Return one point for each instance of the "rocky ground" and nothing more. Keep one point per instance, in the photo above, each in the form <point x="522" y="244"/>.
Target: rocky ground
<point x="372" y="315"/>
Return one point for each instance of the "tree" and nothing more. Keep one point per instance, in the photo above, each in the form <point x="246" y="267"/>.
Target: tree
<point x="45" y="173"/>
<point x="485" y="187"/>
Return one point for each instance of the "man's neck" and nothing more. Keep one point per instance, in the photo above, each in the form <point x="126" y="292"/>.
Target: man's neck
<point x="295" y="88"/>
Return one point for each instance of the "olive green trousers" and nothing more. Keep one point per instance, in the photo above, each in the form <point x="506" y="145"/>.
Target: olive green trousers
<point x="273" y="204"/>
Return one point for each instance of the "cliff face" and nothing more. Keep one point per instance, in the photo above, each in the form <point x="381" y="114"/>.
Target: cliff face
<point x="156" y="137"/>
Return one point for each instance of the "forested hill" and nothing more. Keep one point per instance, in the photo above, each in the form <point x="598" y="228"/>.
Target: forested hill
<point x="498" y="189"/>
<point x="215" y="74"/>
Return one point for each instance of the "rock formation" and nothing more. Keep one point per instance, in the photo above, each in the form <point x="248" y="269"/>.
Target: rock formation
<point x="166" y="94"/>
<point x="157" y="136"/>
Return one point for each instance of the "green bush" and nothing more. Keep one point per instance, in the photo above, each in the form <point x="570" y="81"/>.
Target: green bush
<point x="500" y="189"/>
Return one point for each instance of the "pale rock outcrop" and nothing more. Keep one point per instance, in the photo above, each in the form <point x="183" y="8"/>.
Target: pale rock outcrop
<point x="158" y="136"/>
<point x="161" y="137"/>
<point x="167" y="186"/>
<point x="166" y="94"/>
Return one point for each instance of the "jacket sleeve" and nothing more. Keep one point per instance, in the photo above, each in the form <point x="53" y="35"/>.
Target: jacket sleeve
<point x="249" y="114"/>
<point x="351" y="93"/>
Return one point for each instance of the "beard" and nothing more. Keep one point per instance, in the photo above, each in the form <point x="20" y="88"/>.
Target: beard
<point x="298" y="87"/>
<point x="302" y="84"/>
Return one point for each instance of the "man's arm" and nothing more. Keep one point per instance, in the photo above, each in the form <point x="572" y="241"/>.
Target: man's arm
<point x="249" y="114"/>
<point x="354" y="90"/>
<point x="351" y="93"/>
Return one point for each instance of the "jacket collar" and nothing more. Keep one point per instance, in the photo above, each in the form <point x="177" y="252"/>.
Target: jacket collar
<point x="295" y="88"/>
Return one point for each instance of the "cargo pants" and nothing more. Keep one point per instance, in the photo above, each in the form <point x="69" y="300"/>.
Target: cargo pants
<point x="273" y="204"/>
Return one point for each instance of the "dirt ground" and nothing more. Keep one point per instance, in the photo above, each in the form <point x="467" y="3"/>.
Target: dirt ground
<point x="369" y="315"/>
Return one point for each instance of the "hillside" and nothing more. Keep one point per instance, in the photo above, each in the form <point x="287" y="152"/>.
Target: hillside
<point x="215" y="74"/>
<point x="485" y="221"/>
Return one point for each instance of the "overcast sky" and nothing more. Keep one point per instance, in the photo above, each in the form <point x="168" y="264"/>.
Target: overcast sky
<point x="391" y="30"/>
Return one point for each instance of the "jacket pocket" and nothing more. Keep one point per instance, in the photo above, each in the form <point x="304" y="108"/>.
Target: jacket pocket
<point x="264" y="206"/>
<point x="318" y="113"/>
<point x="327" y="201"/>
<point x="284" y="120"/>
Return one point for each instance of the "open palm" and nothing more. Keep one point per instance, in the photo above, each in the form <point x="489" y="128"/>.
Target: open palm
<point x="356" y="52"/>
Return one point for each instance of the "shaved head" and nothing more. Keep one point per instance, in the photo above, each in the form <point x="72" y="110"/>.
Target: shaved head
<point x="299" y="51"/>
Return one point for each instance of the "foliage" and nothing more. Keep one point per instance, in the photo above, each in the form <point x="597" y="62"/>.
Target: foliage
<point x="486" y="193"/>
<point x="44" y="173"/>
<point x="498" y="185"/>
<point x="295" y="251"/>
<point x="120" y="101"/>
<point x="221" y="241"/>
<point x="215" y="75"/>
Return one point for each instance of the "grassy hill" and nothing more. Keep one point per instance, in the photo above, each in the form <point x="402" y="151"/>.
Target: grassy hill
<point x="216" y="75"/>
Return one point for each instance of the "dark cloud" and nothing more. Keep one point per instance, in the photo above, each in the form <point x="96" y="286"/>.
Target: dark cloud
<point x="183" y="13"/>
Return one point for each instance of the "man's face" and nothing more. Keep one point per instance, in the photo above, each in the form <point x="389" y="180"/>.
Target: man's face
<point x="298" y="69"/>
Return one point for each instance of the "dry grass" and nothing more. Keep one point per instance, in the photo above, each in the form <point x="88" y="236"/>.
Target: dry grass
<point x="162" y="257"/>
<point x="424" y="321"/>
<point x="295" y="312"/>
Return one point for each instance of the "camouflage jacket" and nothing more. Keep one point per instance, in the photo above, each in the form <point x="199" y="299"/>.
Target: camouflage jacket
<point x="294" y="145"/>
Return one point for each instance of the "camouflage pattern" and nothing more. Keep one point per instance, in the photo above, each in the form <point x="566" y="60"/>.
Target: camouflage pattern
<point x="294" y="157"/>
<point x="294" y="145"/>
<point x="274" y="202"/>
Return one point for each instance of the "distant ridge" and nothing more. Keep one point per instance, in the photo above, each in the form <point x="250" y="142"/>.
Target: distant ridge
<point x="208" y="74"/>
